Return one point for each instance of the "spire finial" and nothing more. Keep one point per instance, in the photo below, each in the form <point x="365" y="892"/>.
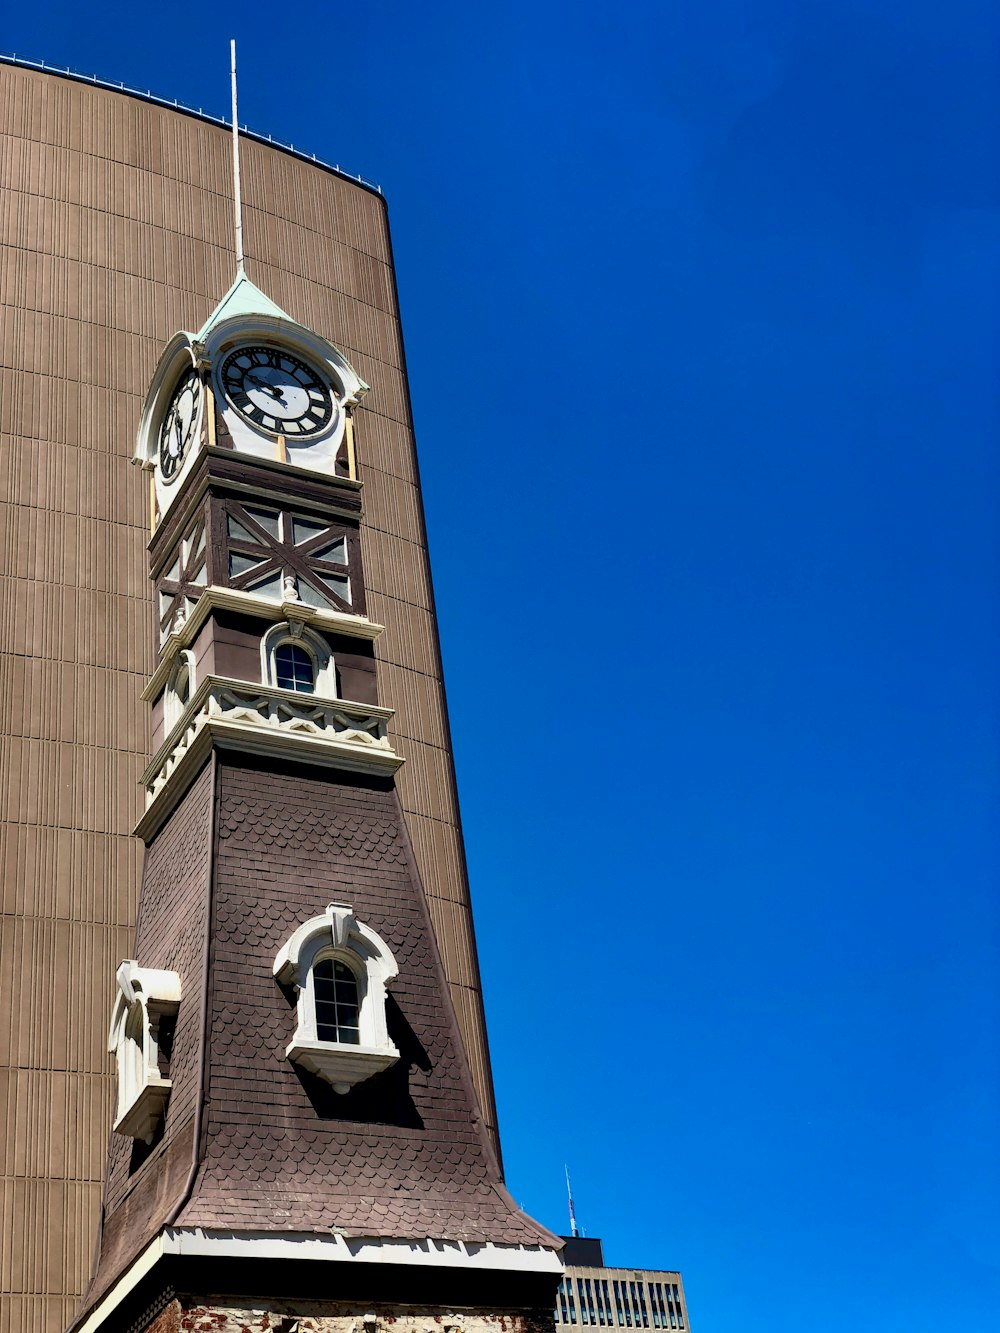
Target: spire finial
<point x="572" y="1213"/>
<point x="237" y="197"/>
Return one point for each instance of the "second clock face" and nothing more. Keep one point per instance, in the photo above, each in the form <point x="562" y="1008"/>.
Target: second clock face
<point x="276" y="392"/>
<point x="179" y="425"/>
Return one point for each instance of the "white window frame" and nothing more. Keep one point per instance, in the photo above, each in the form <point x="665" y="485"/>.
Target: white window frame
<point x="172" y="705"/>
<point x="145" y="996"/>
<point x="337" y="934"/>
<point x="300" y="636"/>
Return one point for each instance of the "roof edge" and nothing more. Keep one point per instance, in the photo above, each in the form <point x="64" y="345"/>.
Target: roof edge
<point x="172" y="104"/>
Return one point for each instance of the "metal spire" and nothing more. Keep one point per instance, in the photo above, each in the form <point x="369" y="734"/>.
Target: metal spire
<point x="237" y="196"/>
<point x="572" y="1211"/>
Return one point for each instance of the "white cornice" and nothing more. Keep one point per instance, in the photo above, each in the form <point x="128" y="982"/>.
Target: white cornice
<point x="250" y="604"/>
<point x="193" y="1242"/>
<point x="261" y="719"/>
<point x="424" y="1253"/>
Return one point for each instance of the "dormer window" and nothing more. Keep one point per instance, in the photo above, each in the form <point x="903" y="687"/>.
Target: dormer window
<point x="341" y="970"/>
<point x="140" y="1034"/>
<point x="294" y="657"/>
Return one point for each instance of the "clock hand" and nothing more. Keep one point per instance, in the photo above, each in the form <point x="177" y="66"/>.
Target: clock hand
<point x="265" y="385"/>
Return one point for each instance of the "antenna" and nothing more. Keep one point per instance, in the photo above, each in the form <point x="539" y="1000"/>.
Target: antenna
<point x="237" y="197"/>
<point x="572" y="1213"/>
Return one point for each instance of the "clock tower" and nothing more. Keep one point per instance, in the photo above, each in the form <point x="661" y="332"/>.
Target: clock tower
<point x="297" y="1141"/>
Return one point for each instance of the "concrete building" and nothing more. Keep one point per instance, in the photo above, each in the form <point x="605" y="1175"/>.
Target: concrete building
<point x="115" y="233"/>
<point x="592" y="1295"/>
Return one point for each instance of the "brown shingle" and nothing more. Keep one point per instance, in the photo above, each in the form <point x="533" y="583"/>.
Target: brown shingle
<point x="405" y="1154"/>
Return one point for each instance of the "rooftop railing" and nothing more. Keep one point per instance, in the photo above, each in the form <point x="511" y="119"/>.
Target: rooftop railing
<point x="10" y="58"/>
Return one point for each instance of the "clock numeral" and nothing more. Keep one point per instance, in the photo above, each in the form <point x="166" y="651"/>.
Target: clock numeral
<point x="296" y="387"/>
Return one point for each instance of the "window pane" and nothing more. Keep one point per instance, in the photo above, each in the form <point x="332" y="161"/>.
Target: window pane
<point x="239" y="533"/>
<point x="336" y="995"/>
<point x="240" y="564"/>
<point x="342" y="587"/>
<point x="293" y="669"/>
<point x="336" y="552"/>
<point x="269" y="587"/>
<point x="302" y="530"/>
<point x="309" y="595"/>
<point x="268" y="519"/>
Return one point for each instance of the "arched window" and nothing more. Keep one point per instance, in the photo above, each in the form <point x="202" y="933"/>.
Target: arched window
<point x="294" y="657"/>
<point x="179" y="688"/>
<point x="182" y="686"/>
<point x="335" y="990"/>
<point x="341" y="970"/>
<point x="294" y="668"/>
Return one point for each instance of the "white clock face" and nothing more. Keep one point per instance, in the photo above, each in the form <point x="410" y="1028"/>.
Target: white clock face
<point x="277" y="392"/>
<point x="179" y="425"/>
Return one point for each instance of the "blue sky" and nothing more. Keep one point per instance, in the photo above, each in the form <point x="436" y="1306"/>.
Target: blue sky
<point x="712" y="501"/>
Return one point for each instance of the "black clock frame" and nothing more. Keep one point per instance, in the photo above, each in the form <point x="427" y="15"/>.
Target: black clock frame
<point x="232" y="378"/>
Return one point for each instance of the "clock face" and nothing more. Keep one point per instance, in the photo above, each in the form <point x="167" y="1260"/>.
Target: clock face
<point x="179" y="425"/>
<point x="278" y="393"/>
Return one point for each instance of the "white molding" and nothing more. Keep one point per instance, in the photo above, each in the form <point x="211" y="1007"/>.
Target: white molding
<point x="173" y="708"/>
<point x="261" y="719"/>
<point x="338" y="934"/>
<point x="145" y="996"/>
<point x="127" y="1283"/>
<point x="248" y="603"/>
<point x="337" y="1064"/>
<point x="177" y="355"/>
<point x="180" y="353"/>
<point x="196" y="1242"/>
<point x="296" y="632"/>
<point x="423" y="1253"/>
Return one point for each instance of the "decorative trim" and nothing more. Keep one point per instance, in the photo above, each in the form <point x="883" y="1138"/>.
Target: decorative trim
<point x="424" y="1253"/>
<point x="339" y="935"/>
<point x="294" y="631"/>
<point x="195" y="1242"/>
<point x="145" y="996"/>
<point x="339" y="1065"/>
<point x="264" y="481"/>
<point x="261" y="719"/>
<point x="126" y="1284"/>
<point x="250" y="604"/>
<point x="173" y="706"/>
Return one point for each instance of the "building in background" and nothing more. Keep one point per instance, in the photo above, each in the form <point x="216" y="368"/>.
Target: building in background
<point x="116" y="231"/>
<point x="595" y="1296"/>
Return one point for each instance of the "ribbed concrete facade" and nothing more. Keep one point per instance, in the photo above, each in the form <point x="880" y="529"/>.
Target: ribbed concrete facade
<point x="115" y="228"/>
